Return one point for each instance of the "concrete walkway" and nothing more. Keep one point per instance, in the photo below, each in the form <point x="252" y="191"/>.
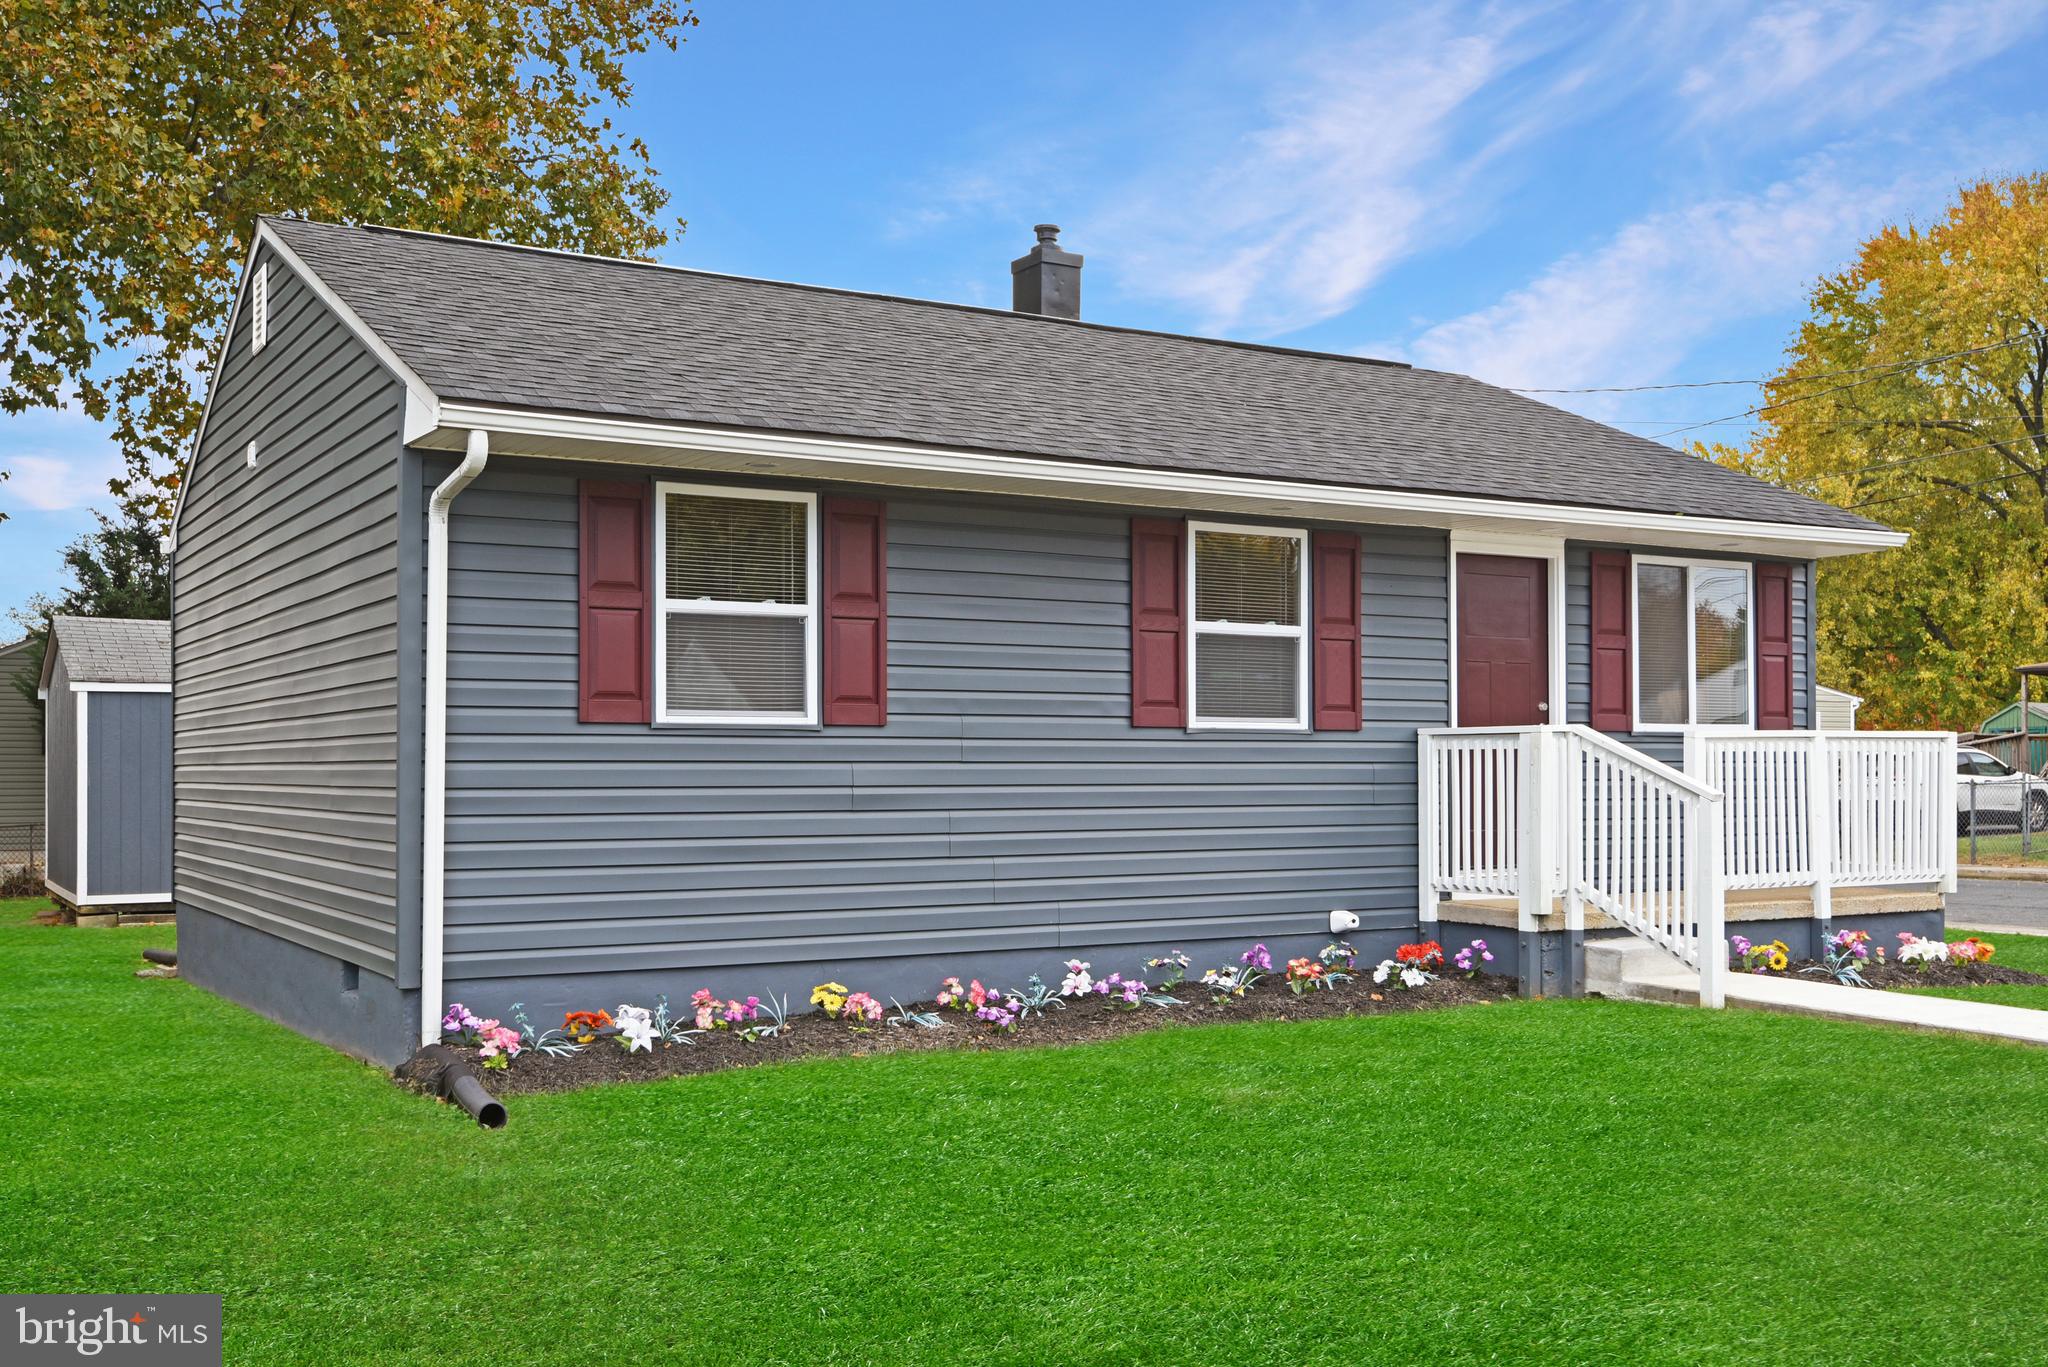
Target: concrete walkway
<point x="1631" y="969"/>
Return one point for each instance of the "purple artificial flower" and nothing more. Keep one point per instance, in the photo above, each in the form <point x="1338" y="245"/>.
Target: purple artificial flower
<point x="1257" y="957"/>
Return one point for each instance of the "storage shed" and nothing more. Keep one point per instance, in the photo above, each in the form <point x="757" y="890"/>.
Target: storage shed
<point x="106" y="688"/>
<point x="21" y="765"/>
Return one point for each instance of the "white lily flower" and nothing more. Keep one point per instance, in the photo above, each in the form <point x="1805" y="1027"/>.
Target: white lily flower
<point x="1386" y="968"/>
<point x="1413" y="977"/>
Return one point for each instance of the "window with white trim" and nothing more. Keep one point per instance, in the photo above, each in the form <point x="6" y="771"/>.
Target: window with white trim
<point x="1250" y="644"/>
<point x="259" y="309"/>
<point x="738" y="636"/>
<point x="1694" y="650"/>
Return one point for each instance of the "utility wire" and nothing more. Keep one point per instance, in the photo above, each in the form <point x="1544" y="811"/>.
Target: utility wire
<point x="1899" y="368"/>
<point x="1958" y="489"/>
<point x="1790" y="379"/>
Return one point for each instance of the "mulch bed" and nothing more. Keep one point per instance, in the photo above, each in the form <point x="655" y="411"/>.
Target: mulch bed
<point x="1940" y="975"/>
<point x="1080" y="1022"/>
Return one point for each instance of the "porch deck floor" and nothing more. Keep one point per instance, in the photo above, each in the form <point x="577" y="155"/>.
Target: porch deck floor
<point x="1748" y="904"/>
<point x="1804" y="997"/>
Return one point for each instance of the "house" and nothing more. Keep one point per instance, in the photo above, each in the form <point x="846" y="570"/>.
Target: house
<point x="1834" y="709"/>
<point x="567" y="631"/>
<point x="105" y="687"/>
<point x="21" y="764"/>
<point x="2005" y="722"/>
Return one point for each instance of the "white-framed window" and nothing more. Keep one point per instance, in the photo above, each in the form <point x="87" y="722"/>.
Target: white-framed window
<point x="737" y="577"/>
<point x="1695" y="643"/>
<point x="259" y="309"/>
<point x="1248" y="647"/>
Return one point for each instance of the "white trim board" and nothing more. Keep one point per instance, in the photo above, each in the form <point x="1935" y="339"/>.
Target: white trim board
<point x="1549" y="549"/>
<point x="120" y="688"/>
<point x="563" y="436"/>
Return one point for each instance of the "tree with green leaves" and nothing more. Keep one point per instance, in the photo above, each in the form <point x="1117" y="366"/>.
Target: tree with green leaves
<point x="1915" y="396"/>
<point x="141" y="141"/>
<point x="116" y="571"/>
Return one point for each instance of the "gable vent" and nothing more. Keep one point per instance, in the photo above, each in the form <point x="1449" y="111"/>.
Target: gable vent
<point x="259" y="309"/>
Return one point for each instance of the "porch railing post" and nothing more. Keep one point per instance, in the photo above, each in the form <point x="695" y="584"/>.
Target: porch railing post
<point x="1708" y="911"/>
<point x="1820" y="831"/>
<point x="1536" y="824"/>
<point x="1427" y="833"/>
<point x="1945" y="819"/>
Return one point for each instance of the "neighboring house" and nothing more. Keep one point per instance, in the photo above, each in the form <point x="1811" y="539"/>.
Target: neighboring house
<point x="568" y="631"/>
<point x="2006" y="722"/>
<point x="1835" y="710"/>
<point x="21" y="764"/>
<point x="106" y="686"/>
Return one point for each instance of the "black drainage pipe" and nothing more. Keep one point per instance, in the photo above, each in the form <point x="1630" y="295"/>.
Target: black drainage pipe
<point x="458" y="1082"/>
<point x="167" y="957"/>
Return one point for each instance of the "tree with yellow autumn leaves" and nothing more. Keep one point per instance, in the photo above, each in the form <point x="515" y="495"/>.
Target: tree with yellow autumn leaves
<point x="1915" y="396"/>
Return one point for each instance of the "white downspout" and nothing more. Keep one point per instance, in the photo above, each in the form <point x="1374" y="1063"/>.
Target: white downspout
<point x="433" y="836"/>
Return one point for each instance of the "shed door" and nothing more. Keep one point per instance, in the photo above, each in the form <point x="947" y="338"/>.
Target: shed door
<point x="1503" y="641"/>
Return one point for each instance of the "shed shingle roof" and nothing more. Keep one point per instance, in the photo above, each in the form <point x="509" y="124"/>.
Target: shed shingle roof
<point x="509" y="326"/>
<point x="114" y="649"/>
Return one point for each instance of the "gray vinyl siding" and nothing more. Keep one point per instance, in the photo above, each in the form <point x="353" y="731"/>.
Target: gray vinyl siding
<point x="285" y="629"/>
<point x="1008" y="804"/>
<point x="128" y="793"/>
<point x="1578" y="611"/>
<point x="21" y="750"/>
<point x="60" y="779"/>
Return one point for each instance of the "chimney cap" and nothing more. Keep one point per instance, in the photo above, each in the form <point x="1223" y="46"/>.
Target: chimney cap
<point x="1048" y="233"/>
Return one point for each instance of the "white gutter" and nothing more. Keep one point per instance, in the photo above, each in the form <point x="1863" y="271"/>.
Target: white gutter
<point x="433" y="835"/>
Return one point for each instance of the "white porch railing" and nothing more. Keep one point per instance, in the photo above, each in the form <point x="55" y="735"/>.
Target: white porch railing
<point x="1565" y="815"/>
<point x="1827" y="810"/>
<point x="1551" y="813"/>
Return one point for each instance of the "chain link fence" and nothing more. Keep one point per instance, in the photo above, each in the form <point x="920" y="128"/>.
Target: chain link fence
<point x="2001" y="810"/>
<point x="21" y="860"/>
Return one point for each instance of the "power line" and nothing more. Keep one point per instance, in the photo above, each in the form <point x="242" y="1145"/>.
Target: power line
<point x="1791" y="379"/>
<point x="1955" y="489"/>
<point x="1898" y="368"/>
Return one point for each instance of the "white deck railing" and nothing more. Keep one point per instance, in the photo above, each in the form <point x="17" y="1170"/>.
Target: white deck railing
<point x="1825" y="810"/>
<point x="1549" y="813"/>
<point x="1565" y="815"/>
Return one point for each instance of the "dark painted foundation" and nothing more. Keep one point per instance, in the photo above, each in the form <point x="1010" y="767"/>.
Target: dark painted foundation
<point x="353" y="1010"/>
<point x="1548" y="962"/>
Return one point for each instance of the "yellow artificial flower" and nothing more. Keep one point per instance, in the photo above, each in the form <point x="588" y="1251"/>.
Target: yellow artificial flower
<point x="1778" y="962"/>
<point x="831" y="996"/>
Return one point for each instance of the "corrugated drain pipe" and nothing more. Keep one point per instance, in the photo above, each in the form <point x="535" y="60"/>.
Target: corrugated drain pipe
<point x="433" y="836"/>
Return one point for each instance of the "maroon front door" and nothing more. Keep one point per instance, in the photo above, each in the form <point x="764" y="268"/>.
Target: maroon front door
<point x="1503" y="641"/>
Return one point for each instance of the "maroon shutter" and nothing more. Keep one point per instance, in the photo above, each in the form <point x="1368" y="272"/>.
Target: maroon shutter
<point x="1612" y="707"/>
<point x="1774" y="647"/>
<point x="1159" y="684"/>
<point x="1333" y="587"/>
<point x="856" y="598"/>
<point x="613" y="678"/>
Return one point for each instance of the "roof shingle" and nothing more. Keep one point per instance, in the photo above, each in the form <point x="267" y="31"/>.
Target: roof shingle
<point x="114" y="649"/>
<point x="510" y="326"/>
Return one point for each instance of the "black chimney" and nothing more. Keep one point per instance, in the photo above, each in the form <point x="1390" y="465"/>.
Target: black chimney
<point x="1045" y="279"/>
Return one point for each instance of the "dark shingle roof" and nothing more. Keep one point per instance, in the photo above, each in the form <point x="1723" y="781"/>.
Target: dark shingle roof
<point x="114" y="649"/>
<point x="490" y="324"/>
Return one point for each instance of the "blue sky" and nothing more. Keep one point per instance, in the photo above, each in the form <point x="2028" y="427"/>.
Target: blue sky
<point x="1537" y="194"/>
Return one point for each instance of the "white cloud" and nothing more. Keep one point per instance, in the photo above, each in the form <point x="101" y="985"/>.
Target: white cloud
<point x="1628" y="310"/>
<point x="1291" y="220"/>
<point x="50" y="481"/>
<point x="1804" y="62"/>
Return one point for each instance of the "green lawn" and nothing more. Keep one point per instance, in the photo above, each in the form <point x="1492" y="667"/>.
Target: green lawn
<point x="2029" y="952"/>
<point x="2005" y="849"/>
<point x="1578" y="1181"/>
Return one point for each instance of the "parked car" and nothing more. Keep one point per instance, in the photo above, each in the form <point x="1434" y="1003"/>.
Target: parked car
<point x="1996" y="793"/>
